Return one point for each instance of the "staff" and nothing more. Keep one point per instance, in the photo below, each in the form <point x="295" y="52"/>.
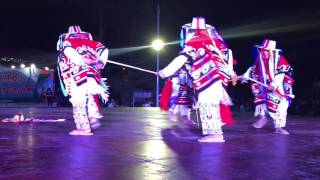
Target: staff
<point x="264" y="85"/>
<point x="132" y="67"/>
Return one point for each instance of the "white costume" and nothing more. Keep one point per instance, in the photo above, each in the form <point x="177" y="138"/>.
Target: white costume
<point x="206" y="60"/>
<point x="79" y="60"/>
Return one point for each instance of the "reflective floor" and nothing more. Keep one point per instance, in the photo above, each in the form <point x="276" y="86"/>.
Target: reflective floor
<point x="141" y="144"/>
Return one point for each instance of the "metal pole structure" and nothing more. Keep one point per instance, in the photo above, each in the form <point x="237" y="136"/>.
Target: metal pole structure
<point x="158" y="53"/>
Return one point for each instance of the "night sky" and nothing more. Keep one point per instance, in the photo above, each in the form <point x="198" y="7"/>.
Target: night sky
<point x="29" y="31"/>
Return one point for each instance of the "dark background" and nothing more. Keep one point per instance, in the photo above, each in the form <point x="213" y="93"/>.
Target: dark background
<point x="29" y="32"/>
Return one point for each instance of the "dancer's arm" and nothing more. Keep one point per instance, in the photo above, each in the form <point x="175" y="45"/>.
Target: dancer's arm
<point x="173" y="67"/>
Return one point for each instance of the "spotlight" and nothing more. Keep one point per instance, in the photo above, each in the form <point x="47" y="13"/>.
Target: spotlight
<point x="157" y="44"/>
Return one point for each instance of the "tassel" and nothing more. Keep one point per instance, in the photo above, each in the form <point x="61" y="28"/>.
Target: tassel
<point x="166" y="95"/>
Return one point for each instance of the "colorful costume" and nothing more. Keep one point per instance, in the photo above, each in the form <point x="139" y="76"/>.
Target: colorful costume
<point x="273" y="70"/>
<point x="180" y="95"/>
<point x="218" y="47"/>
<point x="79" y="60"/>
<point x="206" y="61"/>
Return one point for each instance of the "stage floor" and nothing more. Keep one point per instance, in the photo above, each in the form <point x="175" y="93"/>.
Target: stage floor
<point x="141" y="144"/>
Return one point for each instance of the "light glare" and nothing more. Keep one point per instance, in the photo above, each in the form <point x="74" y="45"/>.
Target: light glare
<point x="157" y="44"/>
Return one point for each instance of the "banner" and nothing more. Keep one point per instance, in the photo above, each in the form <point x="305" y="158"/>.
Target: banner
<point x="24" y="83"/>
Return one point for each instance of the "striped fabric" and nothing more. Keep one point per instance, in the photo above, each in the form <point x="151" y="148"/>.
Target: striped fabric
<point x="198" y="23"/>
<point x="204" y="72"/>
<point x="268" y="44"/>
<point x="74" y="29"/>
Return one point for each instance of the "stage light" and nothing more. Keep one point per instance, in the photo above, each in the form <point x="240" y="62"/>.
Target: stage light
<point x="157" y="44"/>
<point x="13" y="67"/>
<point x="22" y="66"/>
<point x="33" y="66"/>
<point x="46" y="68"/>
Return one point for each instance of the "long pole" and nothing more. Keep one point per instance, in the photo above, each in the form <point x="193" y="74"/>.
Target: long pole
<point x="158" y="53"/>
<point x="266" y="86"/>
<point x="132" y="67"/>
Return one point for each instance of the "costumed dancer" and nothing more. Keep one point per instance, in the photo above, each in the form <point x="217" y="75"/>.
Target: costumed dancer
<point x="272" y="81"/>
<point x="224" y="65"/>
<point x="200" y="51"/>
<point x="79" y="61"/>
<point x="176" y="95"/>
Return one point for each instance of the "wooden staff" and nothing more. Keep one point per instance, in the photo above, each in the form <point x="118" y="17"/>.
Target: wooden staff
<point x="132" y="67"/>
<point x="249" y="78"/>
<point x="266" y="86"/>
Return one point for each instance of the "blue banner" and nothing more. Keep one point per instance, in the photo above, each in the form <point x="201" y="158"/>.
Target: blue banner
<point x="23" y="83"/>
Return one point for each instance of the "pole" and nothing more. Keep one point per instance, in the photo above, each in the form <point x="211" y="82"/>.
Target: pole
<point x="132" y="67"/>
<point x="258" y="82"/>
<point x="158" y="53"/>
<point x="266" y="86"/>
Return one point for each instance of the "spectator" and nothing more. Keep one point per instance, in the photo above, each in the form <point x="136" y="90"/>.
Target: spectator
<point x="147" y="104"/>
<point x="58" y="97"/>
<point x="49" y="95"/>
<point x="112" y="103"/>
<point x="43" y="95"/>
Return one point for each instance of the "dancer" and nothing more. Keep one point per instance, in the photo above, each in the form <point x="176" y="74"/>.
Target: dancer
<point x="79" y="61"/>
<point x="272" y="81"/>
<point x="176" y="96"/>
<point x="204" y="56"/>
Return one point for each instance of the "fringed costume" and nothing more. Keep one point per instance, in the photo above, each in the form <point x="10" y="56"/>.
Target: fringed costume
<point x="79" y="61"/>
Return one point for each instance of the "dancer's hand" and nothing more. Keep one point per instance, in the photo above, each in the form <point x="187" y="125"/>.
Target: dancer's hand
<point x="160" y="74"/>
<point x="244" y="80"/>
<point x="234" y="79"/>
<point x="99" y="65"/>
<point x="244" y="77"/>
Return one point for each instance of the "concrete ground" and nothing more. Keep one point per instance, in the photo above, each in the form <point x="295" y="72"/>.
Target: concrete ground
<point x="142" y="144"/>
